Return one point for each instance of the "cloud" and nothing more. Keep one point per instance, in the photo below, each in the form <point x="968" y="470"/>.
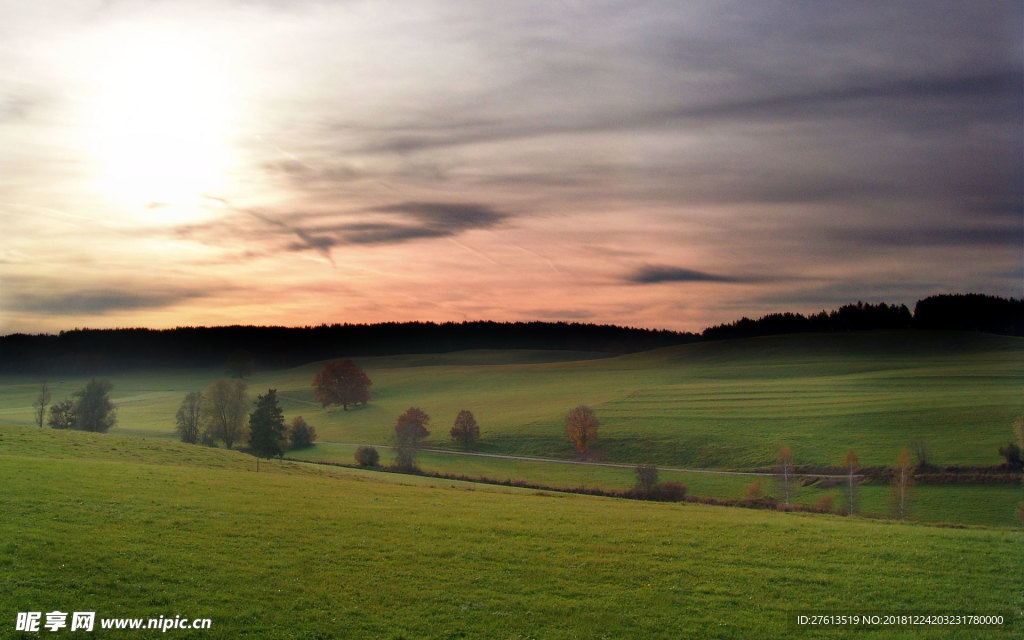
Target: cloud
<point x="912" y="100"/>
<point x="386" y="224"/>
<point x="657" y="274"/>
<point x="931" y="237"/>
<point x="447" y="217"/>
<point x="95" y="302"/>
<point x="15" y="108"/>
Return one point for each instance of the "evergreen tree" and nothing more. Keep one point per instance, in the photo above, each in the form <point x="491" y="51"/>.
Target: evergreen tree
<point x="267" y="431"/>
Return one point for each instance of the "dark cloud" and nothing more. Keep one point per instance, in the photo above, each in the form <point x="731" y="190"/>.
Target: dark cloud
<point x="385" y="233"/>
<point x="905" y="97"/>
<point x="450" y="217"/>
<point x="386" y="224"/>
<point x="911" y="100"/>
<point x="96" y="302"/>
<point x="930" y="237"/>
<point x="656" y="274"/>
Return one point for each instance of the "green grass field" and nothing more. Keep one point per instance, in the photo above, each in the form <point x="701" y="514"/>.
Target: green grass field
<point x="716" y="405"/>
<point x="990" y="505"/>
<point x="144" y="528"/>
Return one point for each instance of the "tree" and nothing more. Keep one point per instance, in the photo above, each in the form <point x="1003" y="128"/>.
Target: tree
<point x="267" y="432"/>
<point x="42" y="400"/>
<point x="784" y="467"/>
<point x="903" y="477"/>
<point x="581" y="427"/>
<point x="367" y="456"/>
<point x="466" y="429"/>
<point x="342" y="383"/>
<point x="1011" y="452"/>
<point x="62" y="415"/>
<point x="646" y="478"/>
<point x="189" y="417"/>
<point x="93" y="409"/>
<point x="301" y="434"/>
<point x="224" y="407"/>
<point x="410" y="429"/>
<point x="922" y="452"/>
<point x="851" y="463"/>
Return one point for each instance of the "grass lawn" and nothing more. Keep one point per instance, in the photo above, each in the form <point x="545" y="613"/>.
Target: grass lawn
<point x="129" y="527"/>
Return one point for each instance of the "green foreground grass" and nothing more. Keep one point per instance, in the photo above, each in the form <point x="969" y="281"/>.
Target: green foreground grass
<point x="132" y="528"/>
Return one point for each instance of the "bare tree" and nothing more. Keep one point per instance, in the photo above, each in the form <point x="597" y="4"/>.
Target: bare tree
<point x="646" y="478"/>
<point x="922" y="452"/>
<point x="903" y="477"/>
<point x="189" y="417"/>
<point x="225" y="406"/>
<point x="42" y="400"/>
<point x="410" y="429"/>
<point x="851" y="464"/>
<point x="581" y="427"/>
<point x="784" y="467"/>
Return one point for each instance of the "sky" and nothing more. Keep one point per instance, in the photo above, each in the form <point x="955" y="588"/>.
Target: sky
<point x="651" y="164"/>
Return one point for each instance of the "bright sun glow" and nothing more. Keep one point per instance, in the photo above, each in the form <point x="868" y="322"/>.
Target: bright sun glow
<point x="161" y="122"/>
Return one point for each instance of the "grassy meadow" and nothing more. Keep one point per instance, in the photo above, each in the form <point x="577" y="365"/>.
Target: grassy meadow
<point x="143" y="528"/>
<point x="974" y="504"/>
<point x="714" y="405"/>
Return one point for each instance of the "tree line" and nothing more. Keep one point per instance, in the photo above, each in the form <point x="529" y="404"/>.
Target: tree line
<point x="243" y="348"/>
<point x="957" y="312"/>
<point x="246" y="347"/>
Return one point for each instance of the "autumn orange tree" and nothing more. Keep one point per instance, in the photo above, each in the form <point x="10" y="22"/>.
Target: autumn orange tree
<point x="342" y="382"/>
<point x="581" y="427"/>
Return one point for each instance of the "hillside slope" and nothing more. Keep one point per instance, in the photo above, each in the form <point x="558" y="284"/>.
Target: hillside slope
<point x="290" y="553"/>
<point x="728" y="404"/>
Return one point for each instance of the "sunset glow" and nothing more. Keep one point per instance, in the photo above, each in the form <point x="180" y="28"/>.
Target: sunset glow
<point x="650" y="164"/>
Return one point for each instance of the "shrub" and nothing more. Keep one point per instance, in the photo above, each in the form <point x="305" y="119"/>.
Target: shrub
<point x="1011" y="452"/>
<point x="367" y="457"/>
<point x="753" y="492"/>
<point x="825" y="504"/>
<point x="667" y="492"/>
